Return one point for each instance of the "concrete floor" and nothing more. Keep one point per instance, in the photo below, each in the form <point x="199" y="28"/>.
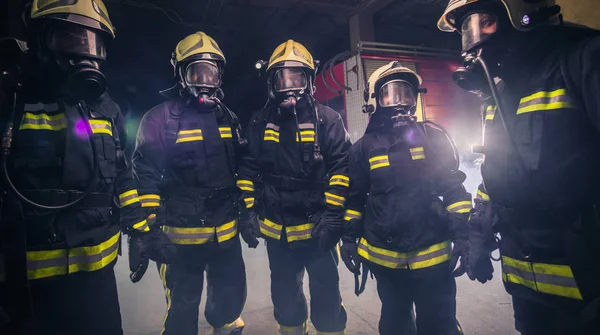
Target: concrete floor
<point x="482" y="309"/>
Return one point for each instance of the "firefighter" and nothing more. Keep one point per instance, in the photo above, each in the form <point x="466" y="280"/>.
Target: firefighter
<point x="299" y="149"/>
<point x="396" y="222"/>
<point x="62" y="174"/>
<point x="541" y="169"/>
<point x="184" y="165"/>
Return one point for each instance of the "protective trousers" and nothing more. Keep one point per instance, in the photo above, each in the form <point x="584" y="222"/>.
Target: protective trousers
<point x="79" y="303"/>
<point x="536" y="318"/>
<point x="183" y="281"/>
<point x="287" y="273"/>
<point x="433" y="292"/>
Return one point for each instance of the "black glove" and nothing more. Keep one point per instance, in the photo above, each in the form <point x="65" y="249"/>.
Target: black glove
<point x="459" y="252"/>
<point x="249" y="228"/>
<point x="481" y="242"/>
<point x="349" y="253"/>
<point x="145" y="246"/>
<point x="328" y="230"/>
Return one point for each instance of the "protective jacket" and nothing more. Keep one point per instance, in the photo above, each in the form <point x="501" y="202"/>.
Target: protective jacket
<point x="294" y="191"/>
<point x="52" y="163"/>
<point x="544" y="183"/>
<point x="184" y="166"/>
<point x="394" y="205"/>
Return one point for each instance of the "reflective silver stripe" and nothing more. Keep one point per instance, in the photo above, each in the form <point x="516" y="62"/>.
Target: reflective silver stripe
<point x="306" y="126"/>
<point x="379" y="161"/>
<point x="271" y="229"/>
<point x="43" y="121"/>
<point x="71" y="260"/>
<point x="431" y="255"/>
<point x="298" y="233"/>
<point x="521" y="273"/>
<point x="272" y="126"/>
<point x="190" y="236"/>
<point x="195" y="134"/>
<point x="545" y="101"/>
<point x="555" y="280"/>
<point x="100" y="126"/>
<point x="227" y="231"/>
<point x="382" y="256"/>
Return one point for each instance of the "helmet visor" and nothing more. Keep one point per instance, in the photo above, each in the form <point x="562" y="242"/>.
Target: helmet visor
<point x="203" y="73"/>
<point x="289" y="80"/>
<point x="397" y="93"/>
<point x="477" y="28"/>
<point x="76" y="40"/>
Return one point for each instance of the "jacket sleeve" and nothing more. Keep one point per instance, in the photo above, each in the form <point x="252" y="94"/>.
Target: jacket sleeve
<point x="358" y="192"/>
<point x="449" y="185"/>
<point x="148" y="163"/>
<point x="583" y="77"/>
<point x="335" y="151"/>
<point x="132" y="216"/>
<point x="249" y="169"/>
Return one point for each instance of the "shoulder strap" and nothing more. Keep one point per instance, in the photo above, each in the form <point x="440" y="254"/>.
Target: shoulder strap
<point x="171" y="124"/>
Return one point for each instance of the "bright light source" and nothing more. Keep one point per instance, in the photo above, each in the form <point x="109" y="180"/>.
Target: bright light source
<point x="258" y="65"/>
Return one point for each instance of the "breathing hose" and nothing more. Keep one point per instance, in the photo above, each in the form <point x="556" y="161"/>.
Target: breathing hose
<point x="6" y="146"/>
<point x="423" y="133"/>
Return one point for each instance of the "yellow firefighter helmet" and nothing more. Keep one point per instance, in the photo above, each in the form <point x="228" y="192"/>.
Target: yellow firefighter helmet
<point x="200" y="45"/>
<point x="383" y="74"/>
<point x="291" y="54"/>
<point x="88" y="13"/>
<point x="520" y="12"/>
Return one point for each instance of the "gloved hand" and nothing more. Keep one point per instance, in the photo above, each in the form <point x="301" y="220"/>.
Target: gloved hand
<point x="349" y="253"/>
<point x="328" y="230"/>
<point x="249" y="228"/>
<point x="481" y="242"/>
<point x="460" y="250"/>
<point x="145" y="246"/>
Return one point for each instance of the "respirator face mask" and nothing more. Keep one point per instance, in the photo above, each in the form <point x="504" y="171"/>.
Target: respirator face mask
<point x="397" y="99"/>
<point x="79" y="51"/>
<point x="288" y="85"/>
<point x="203" y="78"/>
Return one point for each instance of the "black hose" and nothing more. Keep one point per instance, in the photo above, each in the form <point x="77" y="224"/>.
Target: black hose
<point x="495" y="94"/>
<point x="338" y="56"/>
<point x="93" y="179"/>
<point x="324" y="72"/>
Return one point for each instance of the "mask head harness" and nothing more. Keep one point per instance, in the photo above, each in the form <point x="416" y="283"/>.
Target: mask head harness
<point x="70" y="40"/>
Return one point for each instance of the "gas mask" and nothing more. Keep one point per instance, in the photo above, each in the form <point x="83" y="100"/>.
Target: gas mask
<point x="77" y="53"/>
<point x="289" y="86"/>
<point x="397" y="99"/>
<point x="202" y="79"/>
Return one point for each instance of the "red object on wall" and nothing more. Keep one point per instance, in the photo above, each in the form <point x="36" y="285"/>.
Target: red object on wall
<point x="323" y="93"/>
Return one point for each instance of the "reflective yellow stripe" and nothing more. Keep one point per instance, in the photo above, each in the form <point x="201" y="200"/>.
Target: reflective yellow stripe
<point x="460" y="207"/>
<point x="229" y="328"/>
<point x="189" y="135"/>
<point x="482" y="195"/>
<point x="245" y="185"/>
<point x="249" y="202"/>
<point x="490" y="113"/>
<point x="271" y="135"/>
<point x="43" y="264"/>
<point x="163" y="276"/>
<point x="299" y="233"/>
<point x="142" y="226"/>
<point x="418" y="259"/>
<point x="352" y="215"/>
<point x="306" y="136"/>
<point x="101" y="127"/>
<point x="544" y="278"/>
<point x="298" y="330"/>
<point x="227" y="231"/>
<point x="270" y="229"/>
<point x="225" y="132"/>
<point x="379" y="162"/>
<point x="43" y="121"/>
<point x="339" y="180"/>
<point x="417" y="153"/>
<point x="190" y="235"/>
<point x="544" y="100"/>
<point x="128" y="198"/>
<point x="150" y="200"/>
<point x="333" y="199"/>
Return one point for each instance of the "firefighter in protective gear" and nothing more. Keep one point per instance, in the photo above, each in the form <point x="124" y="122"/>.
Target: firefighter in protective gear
<point x="62" y="174"/>
<point x="294" y="177"/>
<point x="184" y="165"/>
<point x="396" y="222"/>
<point x="540" y="128"/>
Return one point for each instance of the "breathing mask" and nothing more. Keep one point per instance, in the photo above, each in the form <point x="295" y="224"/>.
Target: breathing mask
<point x="397" y="99"/>
<point x="289" y="85"/>
<point x="202" y="79"/>
<point x="78" y="51"/>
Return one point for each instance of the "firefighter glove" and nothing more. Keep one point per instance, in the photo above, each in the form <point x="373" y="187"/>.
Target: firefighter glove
<point x="481" y="241"/>
<point x="145" y="246"/>
<point x="249" y="228"/>
<point x="459" y="252"/>
<point x="349" y="253"/>
<point x="328" y="229"/>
